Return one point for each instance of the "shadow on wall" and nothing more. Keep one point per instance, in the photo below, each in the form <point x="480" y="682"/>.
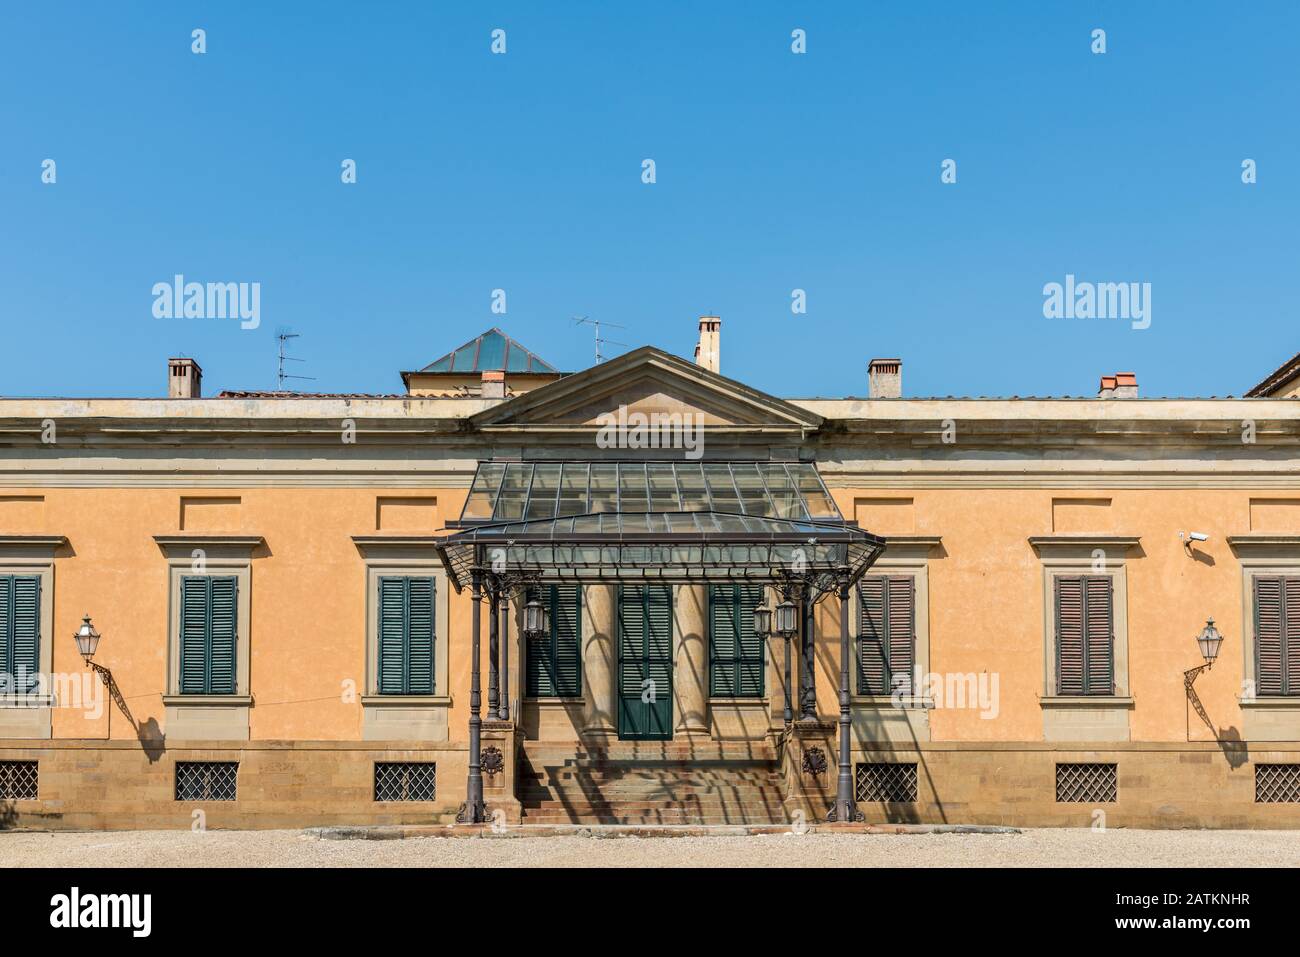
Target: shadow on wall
<point x="1235" y="750"/>
<point x="8" y="815"/>
<point x="151" y="738"/>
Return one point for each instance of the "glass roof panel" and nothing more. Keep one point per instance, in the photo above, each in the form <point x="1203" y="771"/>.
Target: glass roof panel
<point x="663" y="488"/>
<point x="753" y="494"/>
<point x="491" y="350"/>
<point x="544" y="490"/>
<point x="721" y="489"/>
<point x="514" y="491"/>
<point x="690" y="479"/>
<point x="819" y="501"/>
<point x="632" y="495"/>
<point x="604" y="487"/>
<point x="573" y="489"/>
<point x="483" y="493"/>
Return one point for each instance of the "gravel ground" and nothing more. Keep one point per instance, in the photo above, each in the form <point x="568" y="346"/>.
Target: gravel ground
<point x="1032" y="848"/>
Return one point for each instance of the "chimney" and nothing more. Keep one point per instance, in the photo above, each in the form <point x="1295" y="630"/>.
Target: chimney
<point x="708" y="349"/>
<point x="1121" y="385"/>
<point x="184" y="379"/>
<point x="494" y="385"/>
<point x="885" y="378"/>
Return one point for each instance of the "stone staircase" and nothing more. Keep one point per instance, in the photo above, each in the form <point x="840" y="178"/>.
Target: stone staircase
<point x="650" y="782"/>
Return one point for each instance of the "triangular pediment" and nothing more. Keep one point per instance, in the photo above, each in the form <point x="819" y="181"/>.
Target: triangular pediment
<point x="650" y="382"/>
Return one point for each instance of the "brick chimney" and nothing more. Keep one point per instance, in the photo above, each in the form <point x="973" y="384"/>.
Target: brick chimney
<point x="494" y="385"/>
<point x="708" y="349"/>
<point x="885" y="378"/>
<point x="1121" y="385"/>
<point x="184" y="379"/>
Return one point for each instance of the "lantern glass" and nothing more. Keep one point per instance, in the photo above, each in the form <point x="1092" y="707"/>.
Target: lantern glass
<point x="762" y="621"/>
<point x="87" y="639"/>
<point x="534" y="618"/>
<point x="785" y="625"/>
<point x="1210" y="639"/>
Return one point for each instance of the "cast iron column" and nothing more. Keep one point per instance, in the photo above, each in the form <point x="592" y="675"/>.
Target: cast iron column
<point x="808" y="700"/>
<point x="494" y="650"/>
<point x="789" y="688"/>
<point x="846" y="808"/>
<point x="474" y="811"/>
<point x="501" y="609"/>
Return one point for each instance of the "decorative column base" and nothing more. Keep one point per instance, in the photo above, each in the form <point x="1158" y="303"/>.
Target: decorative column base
<point x="809" y="763"/>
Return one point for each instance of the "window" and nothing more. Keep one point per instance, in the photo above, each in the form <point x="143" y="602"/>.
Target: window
<point x="554" y="661"/>
<point x="1085" y="635"/>
<point x="1087" y="783"/>
<point x="406" y="635"/>
<point x="20" y="634"/>
<point x="206" y="780"/>
<point x="737" y="656"/>
<point x="886" y="634"/>
<point x="887" y="782"/>
<point x="1277" y="783"/>
<point x="1277" y="635"/>
<point x="405" y="780"/>
<point x="208" y="634"/>
<point x="18" y="780"/>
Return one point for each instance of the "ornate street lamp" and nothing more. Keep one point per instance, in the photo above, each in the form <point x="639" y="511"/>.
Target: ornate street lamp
<point x="785" y="619"/>
<point x="762" y="621"/>
<point x="535" y="619"/>
<point x="1209" y="640"/>
<point x="87" y="639"/>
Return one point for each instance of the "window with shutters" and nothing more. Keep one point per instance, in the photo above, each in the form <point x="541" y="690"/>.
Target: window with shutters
<point x="20" y="634"/>
<point x="737" y="656"/>
<point x="553" y="661"/>
<point x="1277" y="635"/>
<point x="208" y="634"/>
<point x="1085" y="635"/>
<point x="406" y="634"/>
<point x="886" y="634"/>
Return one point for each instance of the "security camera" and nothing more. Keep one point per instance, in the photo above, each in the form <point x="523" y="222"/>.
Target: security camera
<point x="1194" y="536"/>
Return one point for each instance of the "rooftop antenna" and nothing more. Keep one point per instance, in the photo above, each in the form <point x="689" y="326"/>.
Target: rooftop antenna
<point x="597" y="323"/>
<point x="282" y="337"/>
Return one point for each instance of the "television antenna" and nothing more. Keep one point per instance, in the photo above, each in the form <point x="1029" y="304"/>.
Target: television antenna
<point x="597" y="323"/>
<point x="283" y="336"/>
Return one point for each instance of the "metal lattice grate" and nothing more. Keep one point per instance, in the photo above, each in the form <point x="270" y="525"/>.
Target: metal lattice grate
<point x="1277" y="784"/>
<point x="206" y="780"/>
<point x="892" y="783"/>
<point x="1087" y="783"/>
<point x="404" y="781"/>
<point x="18" y="780"/>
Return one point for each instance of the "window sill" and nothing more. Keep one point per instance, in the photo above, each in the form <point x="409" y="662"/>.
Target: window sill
<point x="406" y="700"/>
<point x="908" y="702"/>
<point x="738" y="699"/>
<point x="208" y="700"/>
<point x="574" y="699"/>
<point x="1275" y="701"/>
<point x="1086" y="701"/>
<point x="26" y="701"/>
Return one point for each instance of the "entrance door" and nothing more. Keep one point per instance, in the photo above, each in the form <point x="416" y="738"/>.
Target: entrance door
<point x="645" y="662"/>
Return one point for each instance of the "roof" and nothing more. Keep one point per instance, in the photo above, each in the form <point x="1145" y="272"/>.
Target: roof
<point x="240" y="394"/>
<point x="1283" y="373"/>
<point x="493" y="351"/>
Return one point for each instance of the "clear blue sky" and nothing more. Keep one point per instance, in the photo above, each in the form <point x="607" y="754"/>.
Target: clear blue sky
<point x="775" y="171"/>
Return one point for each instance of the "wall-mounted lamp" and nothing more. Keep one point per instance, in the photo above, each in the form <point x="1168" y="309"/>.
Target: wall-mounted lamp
<point x="1209" y="640"/>
<point x="87" y="639"/>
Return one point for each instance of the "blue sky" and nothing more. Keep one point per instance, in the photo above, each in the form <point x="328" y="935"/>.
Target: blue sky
<point x="775" y="172"/>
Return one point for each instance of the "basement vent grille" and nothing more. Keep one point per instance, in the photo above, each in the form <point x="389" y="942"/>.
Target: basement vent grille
<point x="206" y="780"/>
<point x="1277" y="784"/>
<point x="1087" y="783"/>
<point x="404" y="781"/>
<point x="890" y="783"/>
<point x="18" y="780"/>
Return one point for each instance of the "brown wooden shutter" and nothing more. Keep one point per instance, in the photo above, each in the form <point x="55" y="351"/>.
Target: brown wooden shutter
<point x="1268" y="635"/>
<point x="872" y="649"/>
<point x="1100" y="629"/>
<point x="902" y="633"/>
<point x="1291" y="649"/>
<point x="1069" y="636"/>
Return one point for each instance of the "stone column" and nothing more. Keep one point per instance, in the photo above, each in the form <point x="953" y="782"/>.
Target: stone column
<point x="691" y="661"/>
<point x="600" y="661"/>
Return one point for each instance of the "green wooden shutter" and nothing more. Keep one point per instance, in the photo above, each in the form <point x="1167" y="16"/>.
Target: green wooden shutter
<point x="751" y="670"/>
<point x="737" y="658"/>
<point x="194" y="635"/>
<point x="392" y="636"/>
<point x="20" y="632"/>
<point x="566" y="640"/>
<point x="659" y="638"/>
<point x="1069" y="636"/>
<point x="538" y="661"/>
<point x="631" y="654"/>
<point x="873" y="644"/>
<point x="1270" y="629"/>
<point x="223" y="603"/>
<point x="420" y="636"/>
<point x="209" y="628"/>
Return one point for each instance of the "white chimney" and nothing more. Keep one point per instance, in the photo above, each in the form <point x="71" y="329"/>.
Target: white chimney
<point x="184" y="379"/>
<point x="885" y="378"/>
<point x="708" y="349"/>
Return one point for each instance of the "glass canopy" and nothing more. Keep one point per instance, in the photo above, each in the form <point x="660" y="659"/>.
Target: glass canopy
<point x="659" y="521"/>
<point x="507" y="492"/>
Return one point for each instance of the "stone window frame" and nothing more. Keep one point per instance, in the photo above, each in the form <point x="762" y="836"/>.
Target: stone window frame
<point x="204" y="717"/>
<point x="1086" y="717"/>
<point x="905" y="555"/>
<point x="387" y="717"/>
<point x="1265" y="717"/>
<point x="31" y="716"/>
